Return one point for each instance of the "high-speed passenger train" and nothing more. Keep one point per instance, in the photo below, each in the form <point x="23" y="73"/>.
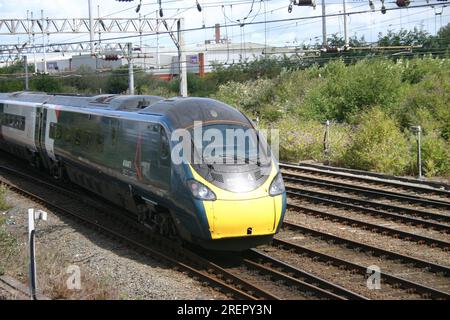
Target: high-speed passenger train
<point x="120" y="148"/>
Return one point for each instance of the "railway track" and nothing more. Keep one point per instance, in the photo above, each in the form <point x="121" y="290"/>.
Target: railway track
<point x="420" y="239"/>
<point x="231" y="280"/>
<point x="413" y="186"/>
<point x="299" y="191"/>
<point x="268" y="261"/>
<point x="367" y="191"/>
<point x="312" y="190"/>
<point x="373" y="250"/>
<point x="339" y="196"/>
<point x="395" y="281"/>
<point x="388" y="215"/>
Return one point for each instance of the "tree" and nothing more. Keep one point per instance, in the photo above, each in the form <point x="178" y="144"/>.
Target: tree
<point x="118" y="80"/>
<point x="443" y="36"/>
<point x="415" y="37"/>
<point x="11" y="77"/>
<point x="46" y="83"/>
<point x="338" y="42"/>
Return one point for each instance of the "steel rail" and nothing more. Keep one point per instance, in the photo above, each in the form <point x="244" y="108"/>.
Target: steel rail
<point x="257" y="255"/>
<point x="430" y="266"/>
<point x="388" y="215"/>
<point x="365" y="191"/>
<point x="425" y="291"/>
<point x="291" y="281"/>
<point x="373" y="227"/>
<point x="377" y="205"/>
<point x="377" y="179"/>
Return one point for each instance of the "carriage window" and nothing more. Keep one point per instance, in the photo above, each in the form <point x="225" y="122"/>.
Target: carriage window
<point x="55" y="131"/>
<point x="13" y="121"/>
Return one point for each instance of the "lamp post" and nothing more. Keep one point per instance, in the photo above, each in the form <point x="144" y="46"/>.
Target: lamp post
<point x="91" y="28"/>
<point x="25" y="63"/>
<point x="130" y="69"/>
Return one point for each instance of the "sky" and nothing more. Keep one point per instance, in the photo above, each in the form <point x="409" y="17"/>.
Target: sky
<point x="305" y="31"/>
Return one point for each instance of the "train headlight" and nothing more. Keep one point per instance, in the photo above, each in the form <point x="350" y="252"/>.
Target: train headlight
<point x="200" y="191"/>
<point x="277" y="185"/>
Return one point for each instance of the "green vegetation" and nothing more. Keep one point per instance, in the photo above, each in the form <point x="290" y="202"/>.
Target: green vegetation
<point x="8" y="243"/>
<point x="3" y="204"/>
<point x="378" y="144"/>
<point x="372" y="105"/>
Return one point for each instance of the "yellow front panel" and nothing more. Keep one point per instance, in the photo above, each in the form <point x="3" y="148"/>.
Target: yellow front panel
<point x="233" y="213"/>
<point x="233" y="218"/>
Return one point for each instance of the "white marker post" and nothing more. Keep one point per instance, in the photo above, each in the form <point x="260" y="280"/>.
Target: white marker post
<point x="326" y="142"/>
<point x="418" y="131"/>
<point x="32" y="215"/>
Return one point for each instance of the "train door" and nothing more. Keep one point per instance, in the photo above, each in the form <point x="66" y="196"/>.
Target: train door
<point x="41" y="123"/>
<point x="164" y="160"/>
<point x="156" y="163"/>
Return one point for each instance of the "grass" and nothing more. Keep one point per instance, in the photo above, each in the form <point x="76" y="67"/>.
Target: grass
<point x="8" y="243"/>
<point x="3" y="203"/>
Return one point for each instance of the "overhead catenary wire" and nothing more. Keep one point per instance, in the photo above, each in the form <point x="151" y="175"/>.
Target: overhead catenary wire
<point x="272" y="28"/>
<point x="247" y="23"/>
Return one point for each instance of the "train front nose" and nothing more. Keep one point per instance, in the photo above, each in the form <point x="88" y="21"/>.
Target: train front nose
<point x="249" y="217"/>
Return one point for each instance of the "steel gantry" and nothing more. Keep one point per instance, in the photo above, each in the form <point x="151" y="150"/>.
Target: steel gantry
<point x="81" y="25"/>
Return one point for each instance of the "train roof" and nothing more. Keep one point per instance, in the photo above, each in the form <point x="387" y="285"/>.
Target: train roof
<point x="183" y="112"/>
<point x="104" y="101"/>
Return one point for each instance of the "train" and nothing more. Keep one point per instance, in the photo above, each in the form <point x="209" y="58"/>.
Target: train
<point x="122" y="148"/>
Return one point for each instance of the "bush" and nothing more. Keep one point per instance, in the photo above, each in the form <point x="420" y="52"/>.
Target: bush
<point x="416" y="70"/>
<point x="435" y="155"/>
<point x="85" y="81"/>
<point x="253" y="97"/>
<point x="348" y="90"/>
<point x="427" y="104"/>
<point x="161" y="91"/>
<point x="46" y="83"/>
<point x="378" y="145"/>
<point x="304" y="140"/>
